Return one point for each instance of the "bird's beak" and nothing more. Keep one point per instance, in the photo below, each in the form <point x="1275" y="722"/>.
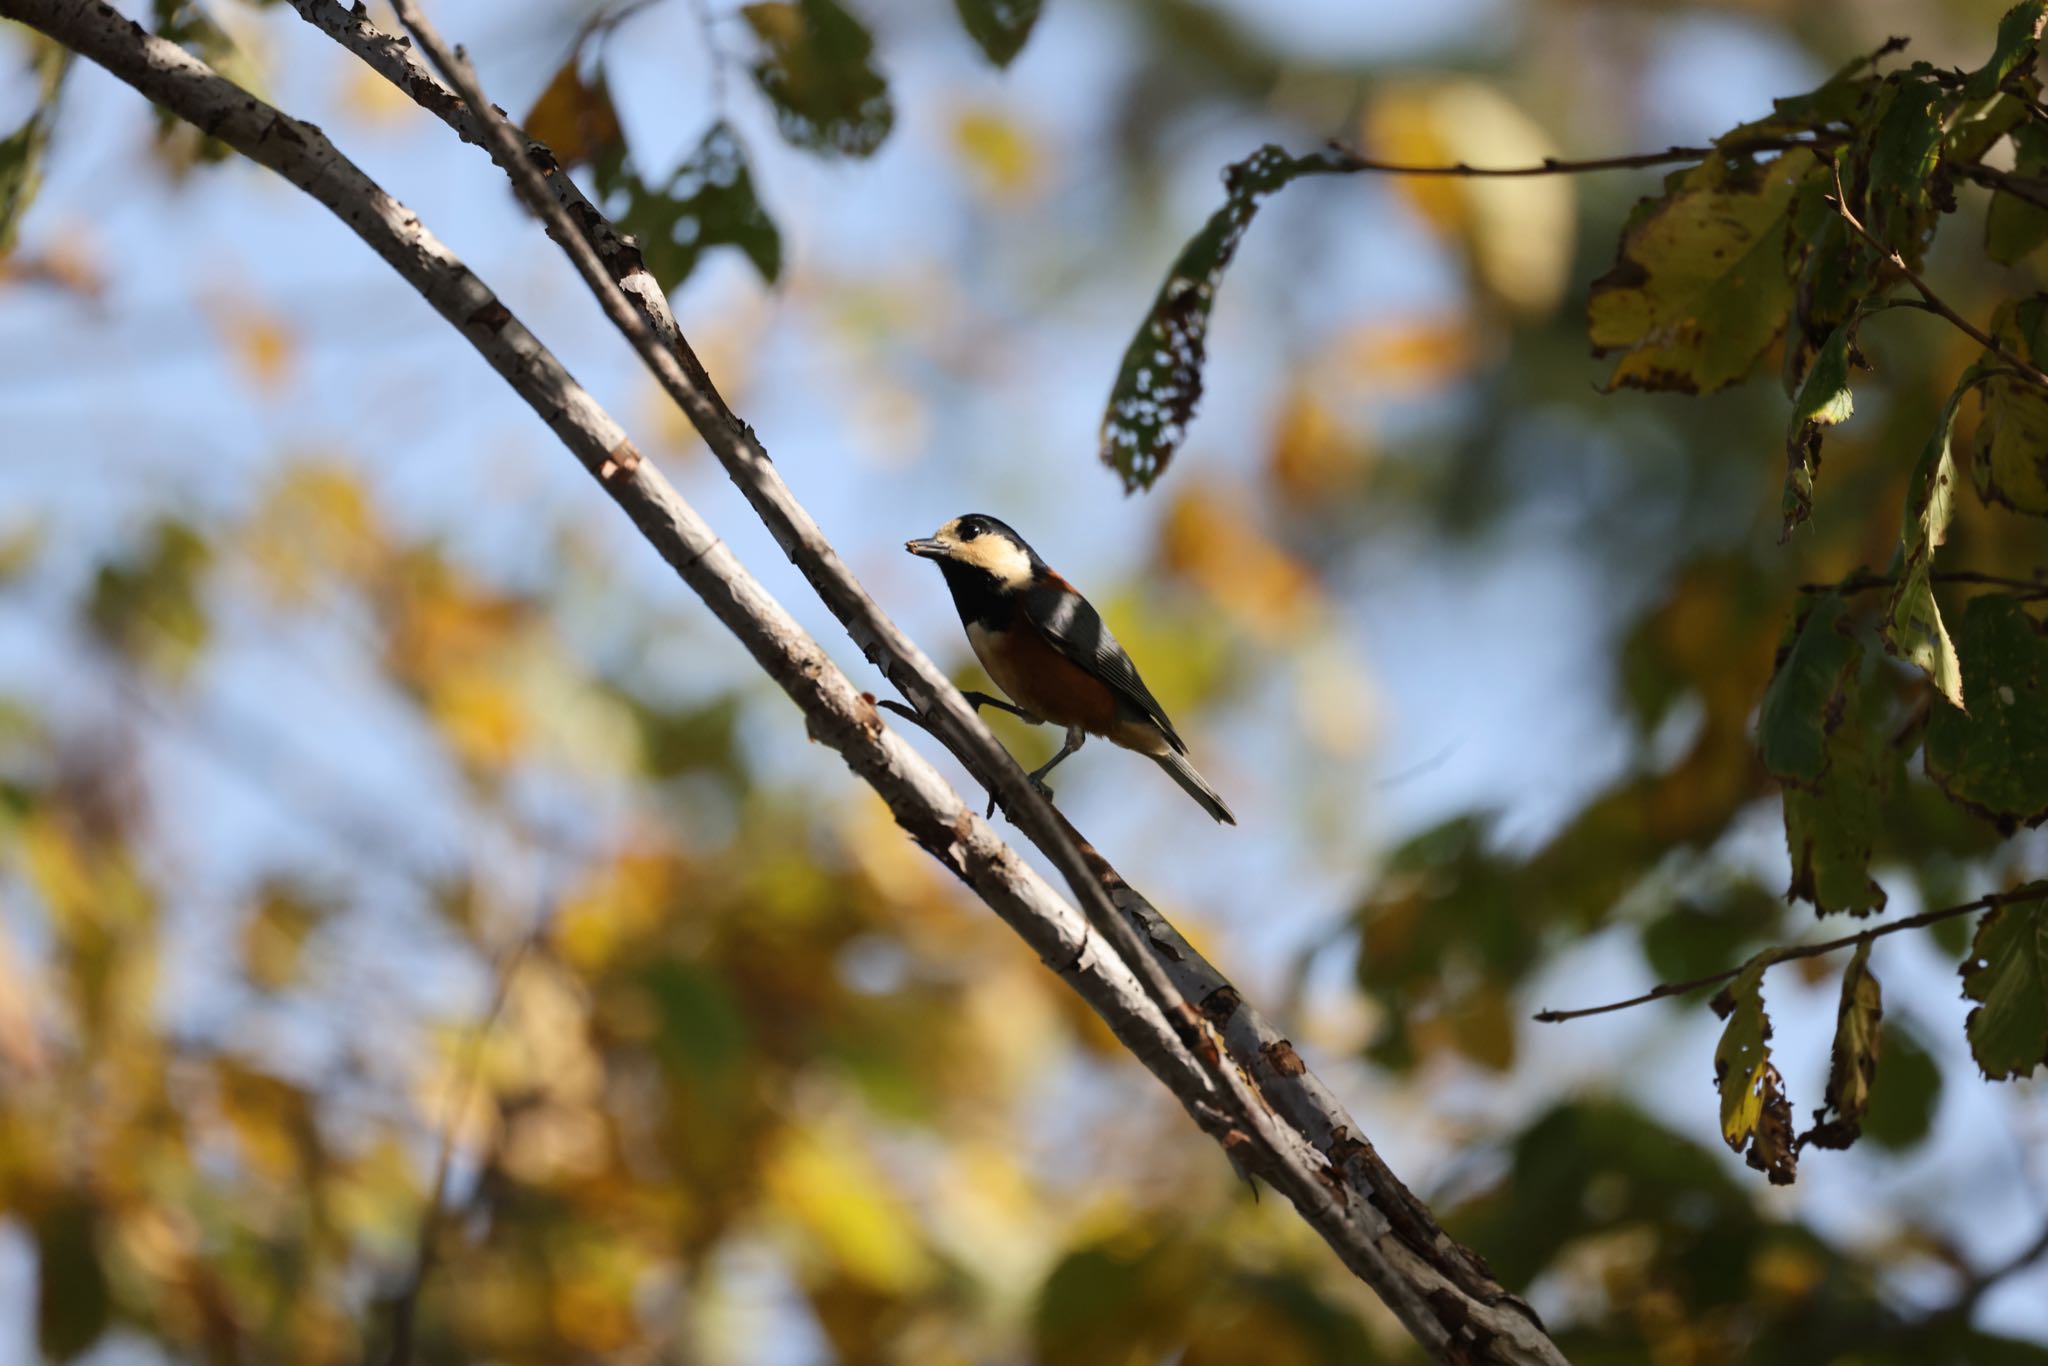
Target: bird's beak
<point x="930" y="548"/>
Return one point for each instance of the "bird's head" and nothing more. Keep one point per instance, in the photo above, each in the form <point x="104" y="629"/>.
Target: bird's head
<point x="975" y="541"/>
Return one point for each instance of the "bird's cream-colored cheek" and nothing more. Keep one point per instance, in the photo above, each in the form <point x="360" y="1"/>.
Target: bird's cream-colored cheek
<point x="999" y="555"/>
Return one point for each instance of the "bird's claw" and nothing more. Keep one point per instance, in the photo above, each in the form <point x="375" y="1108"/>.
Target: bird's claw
<point x="1038" y="785"/>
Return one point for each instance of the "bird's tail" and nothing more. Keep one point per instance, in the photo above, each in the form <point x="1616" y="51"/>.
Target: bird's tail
<point x="1183" y="772"/>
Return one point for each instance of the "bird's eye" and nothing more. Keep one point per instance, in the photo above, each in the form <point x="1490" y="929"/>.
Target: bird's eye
<point x="970" y="529"/>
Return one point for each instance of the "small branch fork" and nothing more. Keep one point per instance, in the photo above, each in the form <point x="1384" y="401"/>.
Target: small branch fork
<point x="2025" y="369"/>
<point x="2034" y="893"/>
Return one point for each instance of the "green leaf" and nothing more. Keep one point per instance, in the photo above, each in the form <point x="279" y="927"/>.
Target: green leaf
<point x="2019" y="37"/>
<point x="2009" y="450"/>
<point x="1832" y="827"/>
<point x="1823" y="400"/>
<point x="1838" y="102"/>
<point x="150" y="607"/>
<point x="2015" y="228"/>
<point x="1754" y="1112"/>
<point x="1833" y="272"/>
<point x="1697" y="936"/>
<point x="1903" y="1096"/>
<point x="1160" y="380"/>
<point x="74" y="1303"/>
<point x="1900" y="154"/>
<point x="1792" y="723"/>
<point x="1853" y="1067"/>
<point x="2007" y="975"/>
<point x="709" y="202"/>
<point x="1913" y="629"/>
<point x="1994" y="757"/>
<point x="999" y="27"/>
<point x="1700" y="290"/>
<point x="21" y="152"/>
<point x="815" y="68"/>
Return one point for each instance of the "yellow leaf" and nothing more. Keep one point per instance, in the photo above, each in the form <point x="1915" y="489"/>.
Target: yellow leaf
<point x="1313" y="455"/>
<point x="316" y="519"/>
<point x="826" y="1186"/>
<point x="575" y="118"/>
<point x="1207" y="538"/>
<point x="1001" y="155"/>
<point x="1518" y="234"/>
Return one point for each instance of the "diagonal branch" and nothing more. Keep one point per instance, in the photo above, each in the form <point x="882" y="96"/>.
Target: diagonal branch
<point x="1115" y="910"/>
<point x="1386" y="1239"/>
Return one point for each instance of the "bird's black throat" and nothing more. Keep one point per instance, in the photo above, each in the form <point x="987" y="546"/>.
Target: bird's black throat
<point x="978" y="595"/>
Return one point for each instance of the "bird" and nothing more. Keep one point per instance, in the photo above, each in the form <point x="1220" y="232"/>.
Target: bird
<point x="1047" y="647"/>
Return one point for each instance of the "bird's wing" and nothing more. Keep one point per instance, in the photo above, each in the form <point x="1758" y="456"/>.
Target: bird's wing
<point x="1076" y="630"/>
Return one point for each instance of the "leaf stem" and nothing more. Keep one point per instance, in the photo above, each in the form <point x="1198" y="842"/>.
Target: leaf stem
<point x="2037" y="891"/>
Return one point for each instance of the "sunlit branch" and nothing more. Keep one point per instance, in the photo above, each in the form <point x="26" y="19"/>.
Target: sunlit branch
<point x="2034" y="892"/>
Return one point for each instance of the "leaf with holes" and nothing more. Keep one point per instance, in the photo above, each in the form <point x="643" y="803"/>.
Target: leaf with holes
<point x="1853" y="1066"/>
<point x="1823" y="400"/>
<point x="999" y="27"/>
<point x="1160" y="380"/>
<point x="1994" y="757"/>
<point x="1755" y="1115"/>
<point x="1913" y="629"/>
<point x="815" y="67"/>
<point x="709" y="202"/>
<point x="1700" y="291"/>
<point x="2009" y="450"/>
<point x="2007" y="975"/>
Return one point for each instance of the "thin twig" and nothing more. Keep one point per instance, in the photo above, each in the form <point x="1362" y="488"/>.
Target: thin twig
<point x="1345" y="159"/>
<point x="2033" y="892"/>
<point x="2025" y="369"/>
<point x="405" y="1307"/>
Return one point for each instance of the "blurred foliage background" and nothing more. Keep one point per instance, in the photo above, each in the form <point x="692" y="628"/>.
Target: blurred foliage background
<point x="376" y="814"/>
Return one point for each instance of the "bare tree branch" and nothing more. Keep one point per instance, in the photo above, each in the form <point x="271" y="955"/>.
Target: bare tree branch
<point x="2036" y="891"/>
<point x="1387" y="1239"/>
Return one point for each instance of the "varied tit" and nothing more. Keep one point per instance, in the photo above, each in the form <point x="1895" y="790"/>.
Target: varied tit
<point x="1047" y="648"/>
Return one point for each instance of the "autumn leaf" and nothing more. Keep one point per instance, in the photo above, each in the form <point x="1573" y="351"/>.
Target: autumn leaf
<point x="1756" y="1118"/>
<point x="2006" y="973"/>
<point x="1994" y="757"/>
<point x="1699" y="291"/>
<point x="1853" y="1065"/>
<point x="815" y="68"/>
